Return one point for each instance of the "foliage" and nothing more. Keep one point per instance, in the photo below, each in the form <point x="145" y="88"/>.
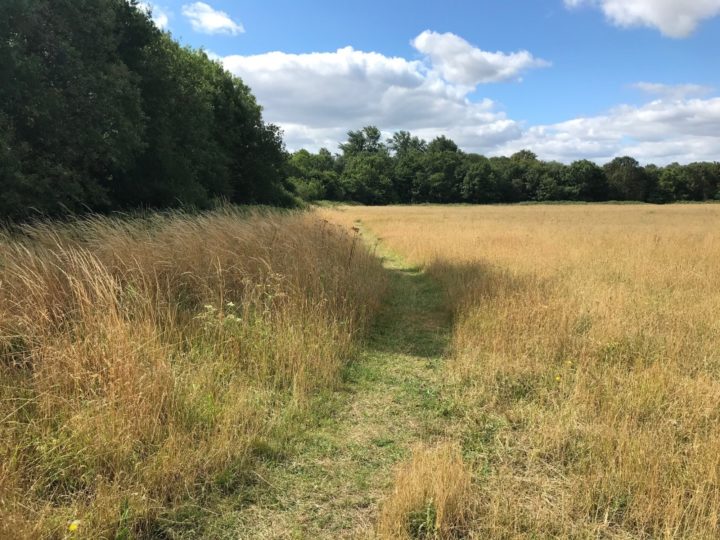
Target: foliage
<point x="407" y="169"/>
<point x="101" y="110"/>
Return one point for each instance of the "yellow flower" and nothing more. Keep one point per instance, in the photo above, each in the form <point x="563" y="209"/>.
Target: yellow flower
<point x="557" y="378"/>
<point x="74" y="525"/>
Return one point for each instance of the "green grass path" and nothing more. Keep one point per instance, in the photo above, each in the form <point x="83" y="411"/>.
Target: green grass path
<point x="331" y="480"/>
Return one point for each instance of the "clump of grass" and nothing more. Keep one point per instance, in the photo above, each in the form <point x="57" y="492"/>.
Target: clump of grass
<point x="432" y="496"/>
<point x="141" y="359"/>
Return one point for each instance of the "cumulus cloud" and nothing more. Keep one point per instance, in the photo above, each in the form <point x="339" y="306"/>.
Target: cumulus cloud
<point x="661" y="131"/>
<point x="207" y="20"/>
<point x="674" y="18"/>
<point x="160" y="16"/>
<point x="460" y="62"/>
<point x="317" y="97"/>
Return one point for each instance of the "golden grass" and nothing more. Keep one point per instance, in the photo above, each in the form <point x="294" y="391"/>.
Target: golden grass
<point x="586" y="361"/>
<point x="142" y="359"/>
<point x="432" y="497"/>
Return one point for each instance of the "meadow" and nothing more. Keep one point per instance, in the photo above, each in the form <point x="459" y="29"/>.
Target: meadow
<point x="146" y="362"/>
<point x="349" y="372"/>
<point x="583" y="374"/>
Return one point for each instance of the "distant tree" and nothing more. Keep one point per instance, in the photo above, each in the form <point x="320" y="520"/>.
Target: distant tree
<point x="525" y="156"/>
<point x="506" y="172"/>
<point x="366" y="178"/>
<point x="627" y="180"/>
<point x="479" y="183"/>
<point x="407" y="164"/>
<point x="367" y="168"/>
<point x="553" y="183"/>
<point x="314" y="175"/>
<point x="524" y="169"/>
<point x="442" y="144"/>
<point x="367" y="140"/>
<point x="403" y="143"/>
<point x="590" y="180"/>
<point x="441" y="179"/>
<point x="703" y="180"/>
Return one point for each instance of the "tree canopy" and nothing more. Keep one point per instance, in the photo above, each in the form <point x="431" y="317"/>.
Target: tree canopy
<point x="101" y="110"/>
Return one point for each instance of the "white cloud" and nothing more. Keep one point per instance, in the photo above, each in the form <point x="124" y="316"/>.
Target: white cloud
<point x="460" y="62"/>
<point x="207" y="20"/>
<point x="317" y="97"/>
<point x="661" y="131"/>
<point x="160" y="16"/>
<point x="673" y="91"/>
<point x="674" y="18"/>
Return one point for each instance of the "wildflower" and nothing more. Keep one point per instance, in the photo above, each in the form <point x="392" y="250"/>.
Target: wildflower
<point x="230" y="304"/>
<point x="74" y="525"/>
<point x="568" y="363"/>
<point x="558" y="378"/>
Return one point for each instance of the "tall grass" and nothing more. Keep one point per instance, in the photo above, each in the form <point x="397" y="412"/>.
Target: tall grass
<point x="142" y="359"/>
<point x="585" y="365"/>
<point x="432" y="496"/>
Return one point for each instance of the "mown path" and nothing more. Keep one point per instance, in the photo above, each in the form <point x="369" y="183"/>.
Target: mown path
<point x="331" y="483"/>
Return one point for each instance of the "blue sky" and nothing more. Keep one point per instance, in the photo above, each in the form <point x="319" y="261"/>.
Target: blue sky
<point x="568" y="79"/>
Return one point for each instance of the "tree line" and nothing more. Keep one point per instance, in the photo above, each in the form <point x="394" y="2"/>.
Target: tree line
<point x="407" y="169"/>
<point x="101" y="110"/>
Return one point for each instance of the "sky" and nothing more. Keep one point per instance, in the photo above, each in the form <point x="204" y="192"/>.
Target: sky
<point x="567" y="79"/>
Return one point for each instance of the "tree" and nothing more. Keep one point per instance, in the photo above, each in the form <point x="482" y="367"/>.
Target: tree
<point x="366" y="179"/>
<point x="75" y="110"/>
<point x="703" y="180"/>
<point x="403" y="143"/>
<point x="407" y="164"/>
<point x="479" y="184"/>
<point x="100" y="110"/>
<point x="590" y="180"/>
<point x="626" y="179"/>
<point x="366" y="140"/>
<point x="314" y="175"/>
<point x="553" y="184"/>
<point x="442" y="174"/>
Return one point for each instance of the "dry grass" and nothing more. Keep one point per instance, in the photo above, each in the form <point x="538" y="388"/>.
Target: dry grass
<point x="142" y="359"/>
<point x="586" y="361"/>
<point x="432" y="497"/>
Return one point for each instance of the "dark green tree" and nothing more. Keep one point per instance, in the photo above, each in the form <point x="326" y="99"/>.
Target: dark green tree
<point x="442" y="177"/>
<point x="479" y="184"/>
<point x="101" y="110"/>
<point x="589" y="179"/>
<point x="627" y="180"/>
<point x="72" y="105"/>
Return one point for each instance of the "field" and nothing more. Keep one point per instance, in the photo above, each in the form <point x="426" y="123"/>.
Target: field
<point x="584" y="364"/>
<point x="363" y="372"/>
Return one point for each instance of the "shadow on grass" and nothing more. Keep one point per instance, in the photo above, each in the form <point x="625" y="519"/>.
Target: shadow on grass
<point x="418" y="312"/>
<point x="415" y="319"/>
